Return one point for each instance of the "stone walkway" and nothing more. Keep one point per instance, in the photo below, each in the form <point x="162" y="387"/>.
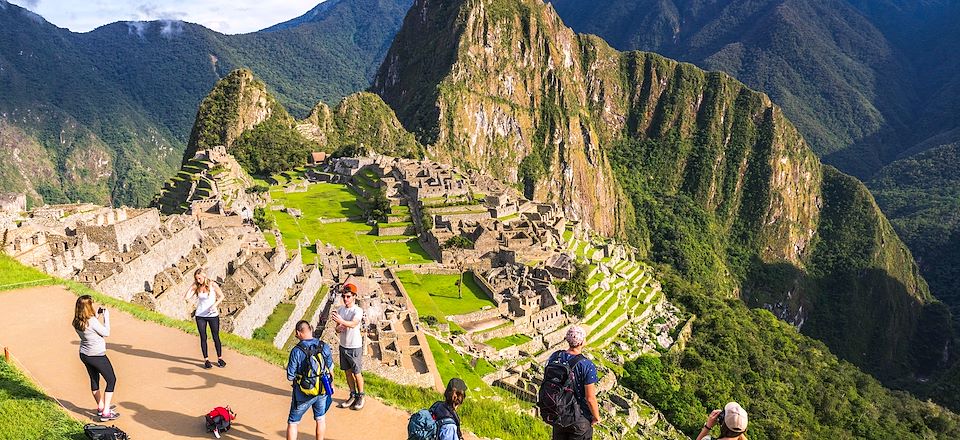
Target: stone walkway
<point x="162" y="389"/>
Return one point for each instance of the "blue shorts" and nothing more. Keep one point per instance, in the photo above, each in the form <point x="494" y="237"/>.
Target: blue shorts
<point x="298" y="409"/>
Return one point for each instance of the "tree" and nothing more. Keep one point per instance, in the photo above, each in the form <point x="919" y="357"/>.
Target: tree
<point x="458" y="245"/>
<point x="378" y="205"/>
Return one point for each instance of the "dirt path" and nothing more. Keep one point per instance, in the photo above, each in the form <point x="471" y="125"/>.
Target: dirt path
<point x="162" y="389"/>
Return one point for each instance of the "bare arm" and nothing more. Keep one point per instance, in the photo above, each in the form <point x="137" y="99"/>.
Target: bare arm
<point x="190" y="294"/>
<point x="591" y="395"/>
<point x="711" y="420"/>
<point x="218" y="292"/>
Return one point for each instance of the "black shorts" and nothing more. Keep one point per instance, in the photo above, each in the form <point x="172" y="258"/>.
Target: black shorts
<point x="351" y="359"/>
<point x="582" y="430"/>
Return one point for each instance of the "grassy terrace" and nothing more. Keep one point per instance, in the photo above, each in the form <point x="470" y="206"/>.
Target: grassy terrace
<point x="332" y="201"/>
<point x="14" y="275"/>
<point x="436" y="295"/>
<point x="508" y="341"/>
<point x="308" y="314"/>
<point x="276" y="320"/>
<point x="26" y="413"/>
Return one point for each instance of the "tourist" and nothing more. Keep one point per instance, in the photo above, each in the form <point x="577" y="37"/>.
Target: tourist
<point x="300" y="402"/>
<point x="208" y="297"/>
<point x="445" y="412"/>
<point x="348" y="318"/>
<point x="93" y="353"/>
<point x="585" y="388"/>
<point x="732" y="420"/>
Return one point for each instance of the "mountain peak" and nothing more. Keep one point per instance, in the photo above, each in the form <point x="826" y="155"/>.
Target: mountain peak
<point x="315" y="14"/>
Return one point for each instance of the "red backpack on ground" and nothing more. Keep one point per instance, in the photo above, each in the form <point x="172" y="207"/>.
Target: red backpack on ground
<point x="218" y="420"/>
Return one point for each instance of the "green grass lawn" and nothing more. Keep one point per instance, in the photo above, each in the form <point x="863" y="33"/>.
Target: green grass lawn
<point x="26" y="413"/>
<point x="14" y="275"/>
<point x="276" y="320"/>
<point x="508" y="341"/>
<point x="452" y="364"/>
<point x="436" y="295"/>
<point x="326" y="200"/>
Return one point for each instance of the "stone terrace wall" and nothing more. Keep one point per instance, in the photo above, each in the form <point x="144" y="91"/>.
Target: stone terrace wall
<point x="265" y="299"/>
<point x="172" y="302"/>
<point x="121" y="235"/>
<point x="311" y="285"/>
<point x="139" y="273"/>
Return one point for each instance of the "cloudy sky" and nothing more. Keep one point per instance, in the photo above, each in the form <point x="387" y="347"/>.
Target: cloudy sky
<point x="227" y="16"/>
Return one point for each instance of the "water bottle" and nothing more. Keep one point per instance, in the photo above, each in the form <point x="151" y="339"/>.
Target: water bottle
<point x="327" y="380"/>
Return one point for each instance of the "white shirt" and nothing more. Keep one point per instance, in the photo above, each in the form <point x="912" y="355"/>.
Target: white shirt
<point x="351" y="337"/>
<point x="207" y="304"/>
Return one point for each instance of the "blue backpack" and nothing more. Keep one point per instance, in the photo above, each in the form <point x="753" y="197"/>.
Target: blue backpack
<point x="423" y="425"/>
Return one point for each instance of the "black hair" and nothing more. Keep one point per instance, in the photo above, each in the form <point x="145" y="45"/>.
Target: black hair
<point x="302" y="323"/>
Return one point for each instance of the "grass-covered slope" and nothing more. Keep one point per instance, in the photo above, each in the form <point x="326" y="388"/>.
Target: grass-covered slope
<point x="25" y="412"/>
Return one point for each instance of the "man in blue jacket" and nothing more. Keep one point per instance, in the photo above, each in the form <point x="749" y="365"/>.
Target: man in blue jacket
<point x="301" y="402"/>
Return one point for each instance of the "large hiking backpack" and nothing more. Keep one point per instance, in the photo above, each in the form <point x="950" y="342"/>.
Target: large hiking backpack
<point x="557" y="398"/>
<point x="100" y="432"/>
<point x="219" y="420"/>
<point x="423" y="425"/>
<point x="308" y="377"/>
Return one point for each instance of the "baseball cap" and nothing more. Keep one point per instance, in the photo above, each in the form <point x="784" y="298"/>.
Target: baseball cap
<point x="735" y="417"/>
<point x="350" y="286"/>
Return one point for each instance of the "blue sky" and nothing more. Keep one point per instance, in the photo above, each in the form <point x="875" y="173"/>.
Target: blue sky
<point x="227" y="16"/>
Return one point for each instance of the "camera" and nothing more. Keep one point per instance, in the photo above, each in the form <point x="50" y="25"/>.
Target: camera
<point x="100" y="310"/>
<point x="720" y="418"/>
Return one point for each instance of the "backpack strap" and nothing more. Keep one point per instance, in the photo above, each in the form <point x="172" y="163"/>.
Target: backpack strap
<point x="572" y="362"/>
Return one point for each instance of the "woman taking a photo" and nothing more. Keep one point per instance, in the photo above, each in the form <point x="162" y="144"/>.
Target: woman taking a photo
<point x="208" y="297"/>
<point x="93" y="353"/>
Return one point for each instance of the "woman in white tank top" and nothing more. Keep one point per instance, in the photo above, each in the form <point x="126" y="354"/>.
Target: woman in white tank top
<point x="208" y="297"/>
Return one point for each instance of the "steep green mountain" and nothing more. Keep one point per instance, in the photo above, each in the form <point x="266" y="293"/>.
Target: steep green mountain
<point x="866" y="82"/>
<point x="920" y="195"/>
<point x="242" y="115"/>
<point x="873" y="85"/>
<point x="112" y="108"/>
<point x="701" y="173"/>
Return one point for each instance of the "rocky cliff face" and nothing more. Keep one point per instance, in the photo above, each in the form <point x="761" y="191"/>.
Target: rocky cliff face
<point x="504" y="87"/>
<point x="517" y="94"/>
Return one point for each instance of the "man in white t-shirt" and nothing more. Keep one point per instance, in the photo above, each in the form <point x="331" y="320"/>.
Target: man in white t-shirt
<point x="348" y="318"/>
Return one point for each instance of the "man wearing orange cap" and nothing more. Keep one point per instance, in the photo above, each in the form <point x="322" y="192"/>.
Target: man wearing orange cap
<point x="732" y="420"/>
<point x="348" y="318"/>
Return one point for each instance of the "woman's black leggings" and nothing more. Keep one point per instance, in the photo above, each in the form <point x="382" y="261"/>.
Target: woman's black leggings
<point x="99" y="366"/>
<point x="214" y="323"/>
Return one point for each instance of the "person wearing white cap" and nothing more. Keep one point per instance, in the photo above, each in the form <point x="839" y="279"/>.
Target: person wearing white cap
<point x="584" y="389"/>
<point x="732" y="420"/>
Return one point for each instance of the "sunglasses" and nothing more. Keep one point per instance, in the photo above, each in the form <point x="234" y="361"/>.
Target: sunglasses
<point x="346" y="295"/>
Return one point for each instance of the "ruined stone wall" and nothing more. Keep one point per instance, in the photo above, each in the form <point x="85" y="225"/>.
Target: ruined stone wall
<point x="310" y="288"/>
<point x="482" y="315"/>
<point x="66" y="264"/>
<point x="172" y="302"/>
<point x="265" y="299"/>
<point x="136" y="226"/>
<point x="138" y="274"/>
<point x="396" y="230"/>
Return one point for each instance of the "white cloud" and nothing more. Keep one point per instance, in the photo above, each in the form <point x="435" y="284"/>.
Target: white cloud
<point x="227" y="16"/>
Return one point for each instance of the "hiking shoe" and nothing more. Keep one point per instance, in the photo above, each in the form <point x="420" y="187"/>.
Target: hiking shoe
<point x="221" y="363"/>
<point x="112" y="415"/>
<point x="357" y="404"/>
<point x="347" y="403"/>
<point x="207" y="365"/>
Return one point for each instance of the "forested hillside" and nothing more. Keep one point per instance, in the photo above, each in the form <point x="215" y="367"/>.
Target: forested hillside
<point x="107" y="114"/>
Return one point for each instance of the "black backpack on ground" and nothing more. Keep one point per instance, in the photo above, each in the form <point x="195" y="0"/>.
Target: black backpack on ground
<point x="557" y="398"/>
<point x="100" y="432"/>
